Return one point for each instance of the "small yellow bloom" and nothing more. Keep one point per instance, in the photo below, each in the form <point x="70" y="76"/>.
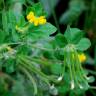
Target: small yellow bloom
<point x="36" y="20"/>
<point x="30" y="16"/>
<point x="82" y="57"/>
<point x="31" y="20"/>
<point x="42" y="21"/>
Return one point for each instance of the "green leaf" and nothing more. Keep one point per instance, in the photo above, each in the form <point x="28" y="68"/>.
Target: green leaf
<point x="12" y="24"/>
<point x="73" y="35"/>
<point x="37" y="9"/>
<point x="10" y="65"/>
<point x="56" y="69"/>
<point x="60" y="40"/>
<point x="83" y="44"/>
<point x="47" y="54"/>
<point x="46" y="29"/>
<point x="23" y="50"/>
<point x="63" y="89"/>
<point x="41" y="32"/>
<point x="76" y="7"/>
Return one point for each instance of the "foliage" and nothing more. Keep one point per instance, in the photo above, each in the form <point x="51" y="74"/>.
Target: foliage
<point x="34" y="64"/>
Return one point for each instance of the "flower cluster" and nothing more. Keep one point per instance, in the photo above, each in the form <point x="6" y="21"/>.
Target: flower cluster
<point x="36" y="20"/>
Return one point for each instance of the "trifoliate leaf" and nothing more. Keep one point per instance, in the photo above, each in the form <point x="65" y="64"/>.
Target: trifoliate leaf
<point x="60" y="40"/>
<point x="73" y="35"/>
<point x="83" y="44"/>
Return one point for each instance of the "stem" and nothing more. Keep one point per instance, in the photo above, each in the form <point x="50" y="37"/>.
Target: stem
<point x="35" y="70"/>
<point x="64" y="64"/>
<point x="40" y="61"/>
<point x="34" y="46"/>
<point x="32" y="70"/>
<point x="79" y="67"/>
<point x="54" y="16"/>
<point x="73" y="67"/>
<point x="69" y="65"/>
<point x="30" y="77"/>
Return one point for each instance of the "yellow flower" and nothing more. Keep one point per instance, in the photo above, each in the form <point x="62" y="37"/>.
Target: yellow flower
<point x="30" y="16"/>
<point x="36" y="20"/>
<point x="42" y="20"/>
<point x="82" y="57"/>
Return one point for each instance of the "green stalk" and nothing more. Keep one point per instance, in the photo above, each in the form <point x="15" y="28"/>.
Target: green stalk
<point x="32" y="70"/>
<point x="40" y="61"/>
<point x="80" y="69"/>
<point x="41" y="48"/>
<point x="73" y="68"/>
<point x="35" y="70"/>
<point x="64" y="64"/>
<point x="69" y="65"/>
<point x="30" y="78"/>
